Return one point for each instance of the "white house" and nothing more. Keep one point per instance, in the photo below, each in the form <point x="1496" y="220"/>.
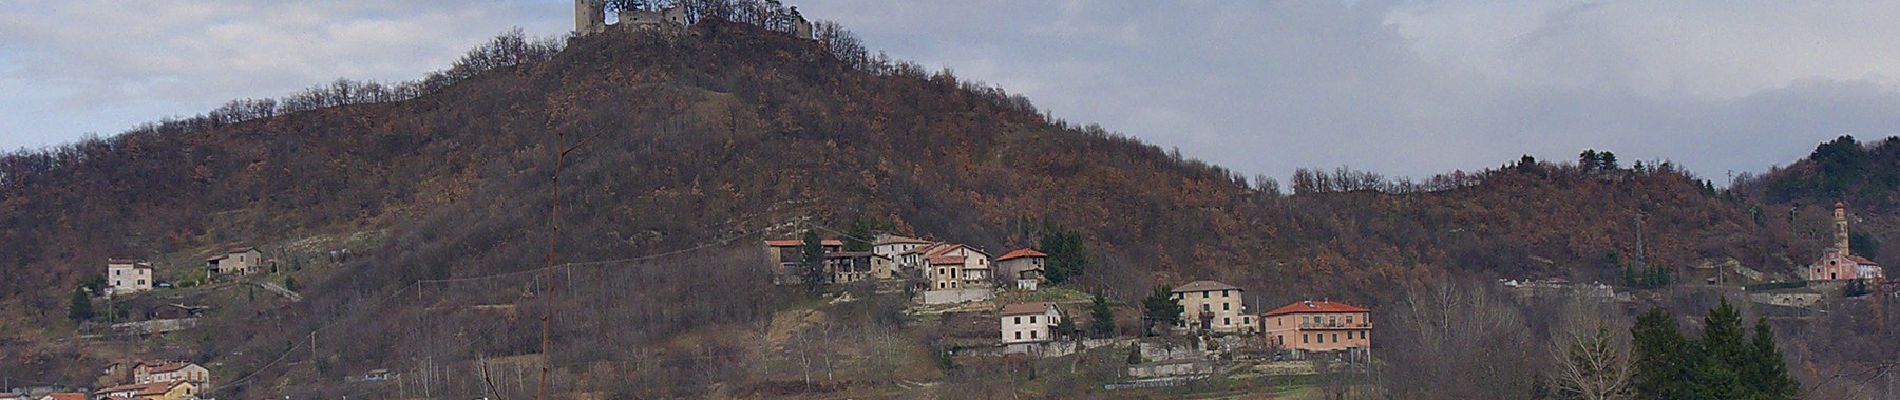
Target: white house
<point x="128" y="276"/>
<point x="1212" y="306"/>
<point x="1025" y="325"/>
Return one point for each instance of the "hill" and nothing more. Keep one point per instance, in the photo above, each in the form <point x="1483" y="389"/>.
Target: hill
<point x="710" y="141"/>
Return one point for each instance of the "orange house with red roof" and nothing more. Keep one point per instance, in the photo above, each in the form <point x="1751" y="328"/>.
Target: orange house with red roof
<point x="1319" y="326"/>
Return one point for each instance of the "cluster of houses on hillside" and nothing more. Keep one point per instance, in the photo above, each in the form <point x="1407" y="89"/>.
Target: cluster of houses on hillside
<point x="142" y="380"/>
<point x="1300" y="329"/>
<point x="938" y="272"/>
<point x="128" y="276"/>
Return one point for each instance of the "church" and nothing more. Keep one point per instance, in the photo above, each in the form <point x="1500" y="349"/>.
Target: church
<point x="1838" y="262"/>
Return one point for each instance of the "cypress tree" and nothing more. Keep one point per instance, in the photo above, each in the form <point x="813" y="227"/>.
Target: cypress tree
<point x="81" y="309"/>
<point x="1662" y="357"/>
<point x="811" y="263"/>
<point x="1765" y="372"/>
<point x="1723" y="351"/>
<point x="1101" y="318"/>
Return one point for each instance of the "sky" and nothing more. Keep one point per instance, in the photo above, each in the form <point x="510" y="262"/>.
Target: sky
<point x="1403" y="88"/>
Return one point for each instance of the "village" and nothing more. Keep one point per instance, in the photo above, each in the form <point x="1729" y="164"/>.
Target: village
<point x="1011" y="310"/>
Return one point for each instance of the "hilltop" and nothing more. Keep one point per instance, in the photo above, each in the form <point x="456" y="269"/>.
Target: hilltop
<point x="727" y="133"/>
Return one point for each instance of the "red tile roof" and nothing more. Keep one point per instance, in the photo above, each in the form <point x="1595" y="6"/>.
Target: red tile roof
<point x="142" y="389"/>
<point x="1310" y="306"/>
<point x="1860" y="260"/>
<point x="1038" y="307"/>
<point x="947" y="260"/>
<point x="67" y="396"/>
<point x="796" y="243"/>
<point x="1197" y="286"/>
<point x="1020" y="253"/>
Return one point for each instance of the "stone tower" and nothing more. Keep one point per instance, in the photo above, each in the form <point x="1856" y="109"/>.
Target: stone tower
<point x="1840" y="228"/>
<point x="590" y="17"/>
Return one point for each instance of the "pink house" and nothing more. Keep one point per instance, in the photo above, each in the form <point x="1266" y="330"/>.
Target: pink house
<point x="1838" y="262"/>
<point x="1319" y="326"/>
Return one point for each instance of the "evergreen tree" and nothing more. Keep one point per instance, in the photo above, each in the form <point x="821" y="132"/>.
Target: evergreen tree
<point x="81" y="309"/>
<point x="1159" y="308"/>
<point x="862" y="235"/>
<point x="1765" y="371"/>
<point x="1101" y="318"/>
<point x="811" y="262"/>
<point x="1065" y="327"/>
<point x="1722" y="350"/>
<point x="1067" y="256"/>
<point x="1662" y="357"/>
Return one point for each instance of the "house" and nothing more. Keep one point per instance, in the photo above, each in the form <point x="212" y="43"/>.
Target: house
<point x="169" y="371"/>
<point x="892" y="246"/>
<point x="237" y="261"/>
<point x="128" y="276"/>
<point x="1319" y="326"/>
<point x="786" y="254"/>
<point x="1839" y="262"/>
<point x="174" y="390"/>
<point x="972" y="269"/>
<point x="1021" y="267"/>
<point x="1025" y="325"/>
<point x="1209" y="306"/>
<point x="63" y="396"/>
<point x="857" y="266"/>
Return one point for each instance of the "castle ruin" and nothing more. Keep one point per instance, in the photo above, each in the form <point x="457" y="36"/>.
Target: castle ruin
<point x="590" y="17"/>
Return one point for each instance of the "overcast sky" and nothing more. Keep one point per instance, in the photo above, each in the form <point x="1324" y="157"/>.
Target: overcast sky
<point x="1398" y="87"/>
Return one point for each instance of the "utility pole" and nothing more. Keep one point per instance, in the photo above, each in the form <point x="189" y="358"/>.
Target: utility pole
<point x="561" y="150"/>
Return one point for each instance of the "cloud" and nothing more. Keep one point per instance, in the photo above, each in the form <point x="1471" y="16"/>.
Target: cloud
<point x="1423" y="87"/>
<point x="1399" y="87"/>
<point x="104" y="66"/>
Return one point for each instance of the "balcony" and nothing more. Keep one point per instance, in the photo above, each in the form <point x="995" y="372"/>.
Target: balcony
<point x="1335" y="325"/>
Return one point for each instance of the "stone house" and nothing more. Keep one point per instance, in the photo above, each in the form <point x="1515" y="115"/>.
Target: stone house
<point x="1021" y="267"/>
<point x="786" y="254"/>
<point x="668" y="19"/>
<point x="1213" y="307"/>
<point x="174" y="390"/>
<point x="237" y="261"/>
<point x="1319" y="326"/>
<point x="1027" y="324"/>
<point x="168" y="371"/>
<point x="857" y="266"/>
<point x="128" y="276"/>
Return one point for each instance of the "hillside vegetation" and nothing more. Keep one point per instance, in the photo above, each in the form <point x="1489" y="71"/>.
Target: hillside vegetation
<point x="729" y="134"/>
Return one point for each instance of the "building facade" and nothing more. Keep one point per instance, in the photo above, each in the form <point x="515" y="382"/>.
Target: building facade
<point x="1838" y="262"/>
<point x="857" y="266"/>
<point x="1021" y="267"/>
<point x="238" y="261"/>
<point x="168" y="371"/>
<point x="1209" y="306"/>
<point x="1027" y="323"/>
<point x="128" y="276"/>
<point x="1319" y="326"/>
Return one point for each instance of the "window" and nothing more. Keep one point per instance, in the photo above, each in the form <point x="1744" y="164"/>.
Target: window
<point x="141" y="281"/>
<point x="1018" y="321"/>
<point x="1223" y="307"/>
<point x="1032" y="334"/>
<point x="1223" y="293"/>
<point x="1205" y="294"/>
<point x="1226" y="321"/>
<point x="1032" y="319"/>
<point x="1349" y="319"/>
<point x="1335" y="338"/>
<point x="1019" y="335"/>
<point x="1207" y="307"/>
<point x="1305" y="339"/>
